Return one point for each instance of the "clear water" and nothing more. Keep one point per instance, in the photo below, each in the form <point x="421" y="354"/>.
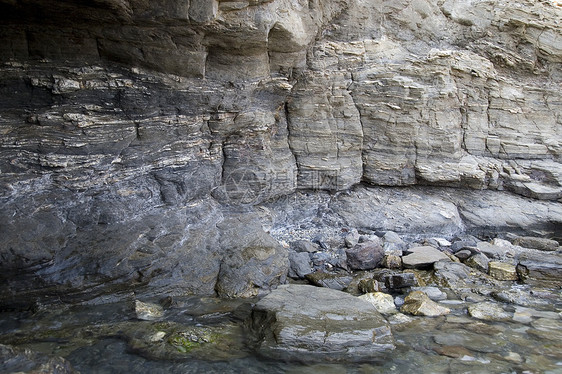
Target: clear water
<point x="455" y="343"/>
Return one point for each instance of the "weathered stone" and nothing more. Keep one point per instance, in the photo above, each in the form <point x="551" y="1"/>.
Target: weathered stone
<point x="148" y="311"/>
<point x="352" y="238"/>
<point x="369" y="286"/>
<point x="542" y="244"/>
<point x="423" y="257"/>
<point x="392" y="262"/>
<point x="462" y="242"/>
<point x="492" y="251"/>
<point x="434" y="293"/>
<point x="299" y="264"/>
<point x="502" y="271"/>
<point x="383" y="302"/>
<point x="364" y="256"/>
<point x="541" y="268"/>
<point x="419" y="304"/>
<point x="325" y="324"/>
<point x="463" y="254"/>
<point x="135" y="138"/>
<point x="478" y="262"/>
<point x="304" y="246"/>
<point x="399" y="280"/>
<point x="334" y="281"/>
<point x="255" y="261"/>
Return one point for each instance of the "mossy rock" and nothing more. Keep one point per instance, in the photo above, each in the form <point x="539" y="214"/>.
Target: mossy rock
<point x="173" y="341"/>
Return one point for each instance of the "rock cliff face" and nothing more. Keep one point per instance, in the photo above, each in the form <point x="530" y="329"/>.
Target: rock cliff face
<point x="156" y="143"/>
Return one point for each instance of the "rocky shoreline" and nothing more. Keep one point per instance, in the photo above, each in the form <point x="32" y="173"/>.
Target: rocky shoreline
<point x="359" y="303"/>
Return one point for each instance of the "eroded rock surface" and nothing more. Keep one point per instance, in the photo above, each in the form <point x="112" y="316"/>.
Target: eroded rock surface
<point x="319" y="324"/>
<point x="133" y="132"/>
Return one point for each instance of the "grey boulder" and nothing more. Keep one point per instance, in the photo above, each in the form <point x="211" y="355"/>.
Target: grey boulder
<point x="318" y="324"/>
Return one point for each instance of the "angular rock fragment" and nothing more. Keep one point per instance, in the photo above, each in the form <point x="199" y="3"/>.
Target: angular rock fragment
<point x="423" y="257"/>
<point x="383" y="302"/>
<point x="336" y="281"/>
<point x="489" y="312"/>
<point x="478" y="262"/>
<point x="419" y="304"/>
<point x="364" y="256"/>
<point x="299" y="264"/>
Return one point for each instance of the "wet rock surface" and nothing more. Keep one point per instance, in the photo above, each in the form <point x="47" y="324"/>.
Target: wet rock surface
<point x="16" y="360"/>
<point x="319" y="324"/>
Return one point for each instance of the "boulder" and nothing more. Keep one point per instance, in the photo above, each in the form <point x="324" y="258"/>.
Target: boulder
<point x="352" y="238"/>
<point x="492" y="251"/>
<point x="434" y="293"/>
<point x="365" y="256"/>
<point x="299" y="264"/>
<point x="540" y="268"/>
<point x="369" y="285"/>
<point x="318" y="324"/>
<point x="304" y="246"/>
<point x="396" y="281"/>
<point x="254" y="261"/>
<point x="423" y="257"/>
<point x="542" y="244"/>
<point x="391" y="262"/>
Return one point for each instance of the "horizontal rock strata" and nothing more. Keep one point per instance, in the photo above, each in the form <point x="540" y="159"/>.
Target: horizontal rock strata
<point x="133" y="134"/>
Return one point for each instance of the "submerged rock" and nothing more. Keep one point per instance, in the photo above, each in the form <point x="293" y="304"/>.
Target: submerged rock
<point x="318" y="324"/>
<point x="489" y="312"/>
<point x="148" y="311"/>
<point x="18" y="360"/>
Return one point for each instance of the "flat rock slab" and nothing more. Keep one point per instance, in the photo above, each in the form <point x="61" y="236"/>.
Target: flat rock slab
<point x="301" y="322"/>
<point x="423" y="257"/>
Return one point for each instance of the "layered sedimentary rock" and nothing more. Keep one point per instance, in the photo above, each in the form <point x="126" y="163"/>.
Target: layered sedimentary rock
<point x="134" y="133"/>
